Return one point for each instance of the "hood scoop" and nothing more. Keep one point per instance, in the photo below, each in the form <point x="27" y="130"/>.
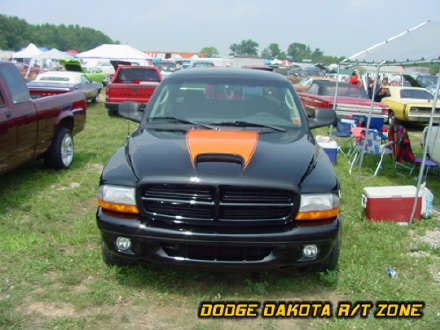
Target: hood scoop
<point x="221" y="146"/>
<point x="224" y="158"/>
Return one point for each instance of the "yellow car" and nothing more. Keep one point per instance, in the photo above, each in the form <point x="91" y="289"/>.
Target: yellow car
<point x="408" y="104"/>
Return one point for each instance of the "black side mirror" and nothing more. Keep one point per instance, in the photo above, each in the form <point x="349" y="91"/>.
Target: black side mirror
<point x="323" y="117"/>
<point x="130" y="110"/>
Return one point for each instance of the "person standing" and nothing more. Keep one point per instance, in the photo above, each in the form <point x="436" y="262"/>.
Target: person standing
<point x="354" y="79"/>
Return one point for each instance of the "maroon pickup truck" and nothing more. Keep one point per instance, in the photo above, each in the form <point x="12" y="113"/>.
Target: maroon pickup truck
<point x="31" y="128"/>
<point x="131" y="83"/>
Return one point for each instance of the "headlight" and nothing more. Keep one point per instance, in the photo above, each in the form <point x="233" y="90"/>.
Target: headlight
<point x="118" y="199"/>
<point x="318" y="207"/>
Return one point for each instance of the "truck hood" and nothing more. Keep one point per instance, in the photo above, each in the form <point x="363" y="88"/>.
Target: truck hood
<point x="222" y="156"/>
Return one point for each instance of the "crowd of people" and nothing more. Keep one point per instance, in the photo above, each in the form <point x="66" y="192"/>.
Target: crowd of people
<point x="369" y="83"/>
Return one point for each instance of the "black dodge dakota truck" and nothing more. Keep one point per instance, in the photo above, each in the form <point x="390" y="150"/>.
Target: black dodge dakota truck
<point x="222" y="172"/>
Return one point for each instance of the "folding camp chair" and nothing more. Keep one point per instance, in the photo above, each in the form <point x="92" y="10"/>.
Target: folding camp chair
<point x="343" y="130"/>
<point x="429" y="164"/>
<point x="401" y="147"/>
<point x="369" y="142"/>
<point x="402" y="151"/>
<point x="344" y="126"/>
<point x="377" y="124"/>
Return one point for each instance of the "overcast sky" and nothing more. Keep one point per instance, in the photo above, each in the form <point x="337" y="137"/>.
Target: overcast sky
<point x="336" y="27"/>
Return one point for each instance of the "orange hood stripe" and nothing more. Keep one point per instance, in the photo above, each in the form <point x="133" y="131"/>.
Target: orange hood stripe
<point x="241" y="143"/>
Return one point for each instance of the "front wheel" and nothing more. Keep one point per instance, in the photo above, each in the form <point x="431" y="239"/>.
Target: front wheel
<point x="60" y="154"/>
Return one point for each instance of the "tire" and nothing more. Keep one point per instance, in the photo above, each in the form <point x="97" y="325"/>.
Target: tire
<point x="112" y="112"/>
<point x="60" y="154"/>
<point x="331" y="262"/>
<point x="96" y="100"/>
<point x="111" y="259"/>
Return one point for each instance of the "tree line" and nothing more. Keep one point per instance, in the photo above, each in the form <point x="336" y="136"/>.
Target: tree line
<point x="16" y="33"/>
<point x="296" y="52"/>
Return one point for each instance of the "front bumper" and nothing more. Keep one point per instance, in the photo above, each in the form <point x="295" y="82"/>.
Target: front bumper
<point x="112" y="106"/>
<point x="423" y="118"/>
<point x="211" y="249"/>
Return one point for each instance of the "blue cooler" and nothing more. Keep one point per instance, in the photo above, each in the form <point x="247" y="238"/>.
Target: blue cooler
<point x="331" y="149"/>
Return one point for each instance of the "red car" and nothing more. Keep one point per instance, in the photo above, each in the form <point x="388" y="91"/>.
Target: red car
<point x="350" y="99"/>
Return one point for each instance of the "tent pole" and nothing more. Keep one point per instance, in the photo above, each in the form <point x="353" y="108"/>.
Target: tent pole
<point x="336" y="95"/>
<point x="370" y="113"/>
<point x="425" y="151"/>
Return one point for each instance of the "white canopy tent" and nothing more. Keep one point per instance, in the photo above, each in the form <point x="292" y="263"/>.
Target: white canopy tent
<point x="28" y="52"/>
<point x="115" y="52"/>
<point x="53" y="54"/>
<point x="416" y="45"/>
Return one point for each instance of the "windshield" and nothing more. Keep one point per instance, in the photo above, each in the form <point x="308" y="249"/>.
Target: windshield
<point x="166" y="66"/>
<point x="427" y="80"/>
<point x="137" y="74"/>
<point x="227" y="101"/>
<point x="53" y="78"/>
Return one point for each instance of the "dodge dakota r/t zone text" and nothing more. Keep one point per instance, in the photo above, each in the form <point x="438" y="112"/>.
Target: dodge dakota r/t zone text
<point x="222" y="172"/>
<point x="32" y="128"/>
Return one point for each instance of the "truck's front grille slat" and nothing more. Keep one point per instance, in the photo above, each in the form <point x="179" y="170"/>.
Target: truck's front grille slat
<point x="187" y="203"/>
<point x="216" y="252"/>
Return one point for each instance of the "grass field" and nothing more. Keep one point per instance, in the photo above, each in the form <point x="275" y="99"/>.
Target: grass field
<point x="52" y="275"/>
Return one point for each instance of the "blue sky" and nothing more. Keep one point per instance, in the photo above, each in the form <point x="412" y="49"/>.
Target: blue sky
<point x="336" y="27"/>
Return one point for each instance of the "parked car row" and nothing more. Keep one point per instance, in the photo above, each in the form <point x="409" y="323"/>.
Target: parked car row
<point x="346" y="99"/>
<point x="395" y="103"/>
<point x="223" y="170"/>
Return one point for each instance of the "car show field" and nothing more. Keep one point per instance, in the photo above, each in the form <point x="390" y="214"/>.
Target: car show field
<point x="53" y="275"/>
<point x="268" y="188"/>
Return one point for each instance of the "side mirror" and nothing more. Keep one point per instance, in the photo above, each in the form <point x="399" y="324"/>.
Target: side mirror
<point x="323" y="117"/>
<point x="130" y="110"/>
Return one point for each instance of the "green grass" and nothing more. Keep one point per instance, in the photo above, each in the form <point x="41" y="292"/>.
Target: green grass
<point x="52" y="275"/>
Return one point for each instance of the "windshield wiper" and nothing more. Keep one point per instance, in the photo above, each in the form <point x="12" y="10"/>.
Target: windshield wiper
<point x="247" y="124"/>
<point x="180" y="121"/>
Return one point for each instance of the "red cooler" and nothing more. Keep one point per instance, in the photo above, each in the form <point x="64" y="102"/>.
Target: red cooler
<point x="392" y="203"/>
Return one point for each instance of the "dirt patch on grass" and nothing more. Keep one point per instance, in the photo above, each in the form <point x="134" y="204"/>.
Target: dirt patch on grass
<point x="47" y="309"/>
<point x="432" y="237"/>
